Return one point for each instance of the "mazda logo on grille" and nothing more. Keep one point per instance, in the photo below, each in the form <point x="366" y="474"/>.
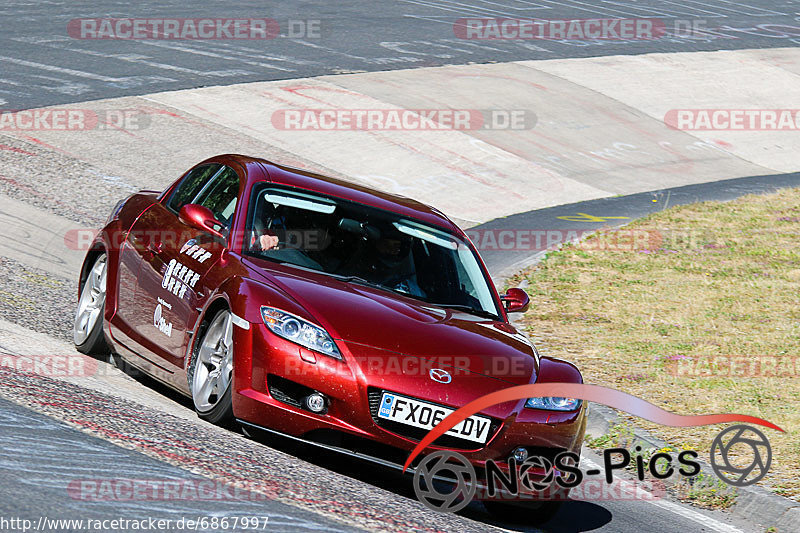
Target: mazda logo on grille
<point x="442" y="376"/>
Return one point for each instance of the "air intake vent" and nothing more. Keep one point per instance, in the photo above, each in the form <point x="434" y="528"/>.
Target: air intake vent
<point x="287" y="391"/>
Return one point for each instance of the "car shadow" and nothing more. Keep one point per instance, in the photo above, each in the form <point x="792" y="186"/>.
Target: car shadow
<point x="573" y="516"/>
<point x="147" y="381"/>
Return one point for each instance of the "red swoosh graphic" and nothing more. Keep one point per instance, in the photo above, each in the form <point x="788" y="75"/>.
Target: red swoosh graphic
<point x="592" y="393"/>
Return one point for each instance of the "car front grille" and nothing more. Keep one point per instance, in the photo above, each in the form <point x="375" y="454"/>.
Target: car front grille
<point x="417" y="434"/>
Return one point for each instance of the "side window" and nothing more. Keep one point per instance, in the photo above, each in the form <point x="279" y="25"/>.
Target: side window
<point x="192" y="184"/>
<point x="220" y="195"/>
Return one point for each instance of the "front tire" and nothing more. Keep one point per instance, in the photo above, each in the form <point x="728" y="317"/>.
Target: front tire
<point x="87" y="333"/>
<point x="210" y="372"/>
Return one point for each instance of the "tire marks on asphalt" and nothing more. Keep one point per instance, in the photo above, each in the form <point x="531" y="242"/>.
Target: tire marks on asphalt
<point x="21" y="301"/>
<point x="396" y="35"/>
<point x="220" y="455"/>
<point x="47" y="461"/>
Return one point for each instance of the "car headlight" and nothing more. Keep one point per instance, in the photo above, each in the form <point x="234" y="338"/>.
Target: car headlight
<point x="553" y="403"/>
<point x="302" y="332"/>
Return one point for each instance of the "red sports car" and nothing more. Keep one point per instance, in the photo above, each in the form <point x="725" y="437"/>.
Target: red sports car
<point x="326" y="311"/>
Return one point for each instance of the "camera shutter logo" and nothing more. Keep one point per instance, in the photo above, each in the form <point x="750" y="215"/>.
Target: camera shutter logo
<point x="537" y="463"/>
<point x="729" y="438"/>
<point x="448" y="465"/>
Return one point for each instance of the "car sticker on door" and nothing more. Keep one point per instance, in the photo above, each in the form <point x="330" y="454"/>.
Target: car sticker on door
<point x="178" y="278"/>
<point x="158" y="319"/>
<point x="195" y="251"/>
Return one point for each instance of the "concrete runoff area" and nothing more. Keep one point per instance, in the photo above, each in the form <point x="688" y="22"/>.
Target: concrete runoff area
<point x="596" y="134"/>
<point x="47" y="60"/>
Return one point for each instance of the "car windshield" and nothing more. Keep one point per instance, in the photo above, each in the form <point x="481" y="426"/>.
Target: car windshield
<point x="365" y="245"/>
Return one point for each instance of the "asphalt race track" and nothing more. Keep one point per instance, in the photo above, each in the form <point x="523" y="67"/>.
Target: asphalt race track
<point x="56" y="456"/>
<point x="599" y="147"/>
<point x="43" y="66"/>
<point x="504" y="263"/>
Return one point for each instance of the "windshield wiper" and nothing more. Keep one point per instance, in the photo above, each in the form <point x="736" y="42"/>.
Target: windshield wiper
<point x="261" y="255"/>
<point x="469" y="309"/>
<point x="460" y="307"/>
<point x="360" y="281"/>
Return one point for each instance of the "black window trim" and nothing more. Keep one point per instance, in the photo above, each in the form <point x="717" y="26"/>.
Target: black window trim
<point x="212" y="181"/>
<point x="168" y="202"/>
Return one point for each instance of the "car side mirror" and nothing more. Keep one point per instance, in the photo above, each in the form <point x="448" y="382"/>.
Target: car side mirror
<point x="200" y="217"/>
<point x="516" y="300"/>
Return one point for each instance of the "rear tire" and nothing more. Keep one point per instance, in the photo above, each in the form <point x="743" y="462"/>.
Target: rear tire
<point x="210" y="372"/>
<point x="87" y="332"/>
<point x="533" y="514"/>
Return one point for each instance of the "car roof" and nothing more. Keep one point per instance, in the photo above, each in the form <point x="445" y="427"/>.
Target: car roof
<point x="310" y="181"/>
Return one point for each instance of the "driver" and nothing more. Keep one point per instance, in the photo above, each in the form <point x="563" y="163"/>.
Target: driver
<point x="392" y="265"/>
<point x="265" y="236"/>
<point x="267" y="241"/>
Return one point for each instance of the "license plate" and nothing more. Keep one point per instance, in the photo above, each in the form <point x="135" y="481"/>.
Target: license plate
<point x="427" y="415"/>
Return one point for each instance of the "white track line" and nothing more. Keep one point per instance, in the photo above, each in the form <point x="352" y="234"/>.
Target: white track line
<point x="681" y="510"/>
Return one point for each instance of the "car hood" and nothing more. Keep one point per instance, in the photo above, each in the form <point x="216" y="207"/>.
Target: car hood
<point x="394" y="324"/>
